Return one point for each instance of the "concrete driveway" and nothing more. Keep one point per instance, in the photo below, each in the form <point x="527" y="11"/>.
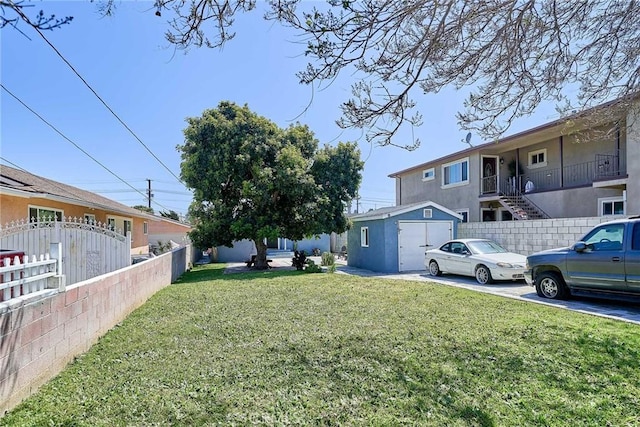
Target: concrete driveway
<point x="625" y="311"/>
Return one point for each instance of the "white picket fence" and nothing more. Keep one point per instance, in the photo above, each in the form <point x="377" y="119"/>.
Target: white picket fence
<point x="88" y="248"/>
<point x="21" y="276"/>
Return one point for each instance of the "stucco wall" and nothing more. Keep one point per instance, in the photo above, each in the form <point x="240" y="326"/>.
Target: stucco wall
<point x="572" y="203"/>
<point x="239" y="252"/>
<point x="633" y="161"/>
<point x="41" y="333"/>
<point x="527" y="237"/>
<point x="412" y="189"/>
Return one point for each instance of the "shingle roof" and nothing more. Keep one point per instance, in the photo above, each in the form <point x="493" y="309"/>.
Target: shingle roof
<point x="23" y="181"/>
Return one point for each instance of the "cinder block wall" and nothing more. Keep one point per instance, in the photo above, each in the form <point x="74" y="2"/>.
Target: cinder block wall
<point x="527" y="237"/>
<point x="41" y="333"/>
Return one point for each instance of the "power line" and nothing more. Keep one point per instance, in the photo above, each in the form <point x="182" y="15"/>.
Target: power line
<point x="73" y="143"/>
<point x="26" y="19"/>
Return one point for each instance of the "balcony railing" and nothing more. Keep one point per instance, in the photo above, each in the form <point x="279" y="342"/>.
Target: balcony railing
<point x="606" y="166"/>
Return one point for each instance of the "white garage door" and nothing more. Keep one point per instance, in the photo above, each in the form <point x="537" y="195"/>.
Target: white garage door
<point x="414" y="238"/>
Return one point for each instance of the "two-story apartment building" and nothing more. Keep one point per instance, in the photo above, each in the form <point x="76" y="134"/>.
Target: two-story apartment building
<point x="579" y="166"/>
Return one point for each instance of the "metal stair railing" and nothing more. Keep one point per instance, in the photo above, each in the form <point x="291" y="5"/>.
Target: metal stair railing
<point x="516" y="194"/>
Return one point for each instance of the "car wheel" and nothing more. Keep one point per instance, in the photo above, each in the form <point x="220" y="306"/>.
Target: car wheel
<point x="483" y="275"/>
<point x="434" y="268"/>
<point x="550" y="285"/>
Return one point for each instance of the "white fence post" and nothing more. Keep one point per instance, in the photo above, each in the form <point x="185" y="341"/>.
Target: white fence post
<point x="58" y="281"/>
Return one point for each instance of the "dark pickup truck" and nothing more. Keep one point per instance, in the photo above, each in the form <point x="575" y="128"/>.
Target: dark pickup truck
<point x="606" y="262"/>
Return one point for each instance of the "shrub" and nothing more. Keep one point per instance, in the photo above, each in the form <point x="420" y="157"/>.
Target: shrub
<point x="312" y="267"/>
<point x="299" y="260"/>
<point x="316" y="251"/>
<point x="328" y="259"/>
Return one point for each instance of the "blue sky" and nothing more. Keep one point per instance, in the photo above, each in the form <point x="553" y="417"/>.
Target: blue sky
<point x="153" y="88"/>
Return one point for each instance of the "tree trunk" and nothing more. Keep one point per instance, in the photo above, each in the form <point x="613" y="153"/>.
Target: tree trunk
<point x="261" y="255"/>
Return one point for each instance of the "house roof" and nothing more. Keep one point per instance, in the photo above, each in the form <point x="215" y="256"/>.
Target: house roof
<point x="22" y="183"/>
<point x="388" y="212"/>
<point x="574" y="122"/>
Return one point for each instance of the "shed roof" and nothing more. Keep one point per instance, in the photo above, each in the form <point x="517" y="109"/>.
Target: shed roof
<point x="388" y="212"/>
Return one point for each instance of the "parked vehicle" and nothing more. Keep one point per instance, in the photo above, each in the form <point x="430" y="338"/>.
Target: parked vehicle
<point x="480" y="258"/>
<point x="606" y="262"/>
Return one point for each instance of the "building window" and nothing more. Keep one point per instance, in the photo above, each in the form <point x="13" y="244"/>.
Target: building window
<point x="120" y="225"/>
<point x="455" y="173"/>
<point x="145" y="227"/>
<point x="90" y="218"/>
<point x="537" y="159"/>
<point x="37" y="213"/>
<point x="611" y="206"/>
<point x="465" y="215"/>
<point x="364" y="237"/>
<point x="127" y="228"/>
<point x="427" y="213"/>
<point x="428" y="174"/>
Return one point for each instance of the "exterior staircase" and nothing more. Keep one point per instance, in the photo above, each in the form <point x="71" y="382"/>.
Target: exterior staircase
<point x="521" y="208"/>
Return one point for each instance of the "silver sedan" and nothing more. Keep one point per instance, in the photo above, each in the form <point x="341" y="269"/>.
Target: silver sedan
<point x="480" y="258"/>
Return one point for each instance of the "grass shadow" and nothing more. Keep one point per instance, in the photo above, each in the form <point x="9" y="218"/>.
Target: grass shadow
<point x="212" y="272"/>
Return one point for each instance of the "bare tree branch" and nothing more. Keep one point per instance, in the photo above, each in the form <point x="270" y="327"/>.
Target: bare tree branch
<point x="511" y="55"/>
<point x="13" y="12"/>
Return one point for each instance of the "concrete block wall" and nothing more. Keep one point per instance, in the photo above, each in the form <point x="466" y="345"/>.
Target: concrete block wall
<point x="527" y="237"/>
<point x="42" y="332"/>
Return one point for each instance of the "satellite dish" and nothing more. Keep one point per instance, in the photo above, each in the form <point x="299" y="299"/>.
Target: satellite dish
<point x="467" y="139"/>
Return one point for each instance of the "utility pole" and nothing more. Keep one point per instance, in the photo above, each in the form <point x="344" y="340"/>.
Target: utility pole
<point x="149" y="193"/>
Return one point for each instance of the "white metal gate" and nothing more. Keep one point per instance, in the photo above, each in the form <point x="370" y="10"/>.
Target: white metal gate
<point x="89" y="249"/>
<point x="415" y="237"/>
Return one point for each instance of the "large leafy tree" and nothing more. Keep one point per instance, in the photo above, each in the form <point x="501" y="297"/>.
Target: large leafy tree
<point x="253" y="180"/>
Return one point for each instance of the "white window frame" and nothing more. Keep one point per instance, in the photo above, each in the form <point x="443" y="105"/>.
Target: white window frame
<point x="429" y="174"/>
<point x="38" y="208"/>
<point x="90" y="218"/>
<point x="119" y="224"/>
<point x="427" y="213"/>
<point x="612" y="200"/>
<point x="450" y="164"/>
<point x="532" y="154"/>
<point x="463" y="212"/>
<point x="364" y="237"/>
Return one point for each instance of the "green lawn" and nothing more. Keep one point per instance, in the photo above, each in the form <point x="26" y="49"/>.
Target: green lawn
<point x="289" y="348"/>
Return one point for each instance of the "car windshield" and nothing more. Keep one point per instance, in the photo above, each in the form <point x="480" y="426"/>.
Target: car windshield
<point x="486" y="247"/>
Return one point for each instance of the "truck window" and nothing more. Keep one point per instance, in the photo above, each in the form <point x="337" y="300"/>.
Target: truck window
<point x="635" y="241"/>
<point x="607" y="238"/>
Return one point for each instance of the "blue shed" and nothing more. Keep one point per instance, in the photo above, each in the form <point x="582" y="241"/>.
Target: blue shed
<point x="392" y="240"/>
